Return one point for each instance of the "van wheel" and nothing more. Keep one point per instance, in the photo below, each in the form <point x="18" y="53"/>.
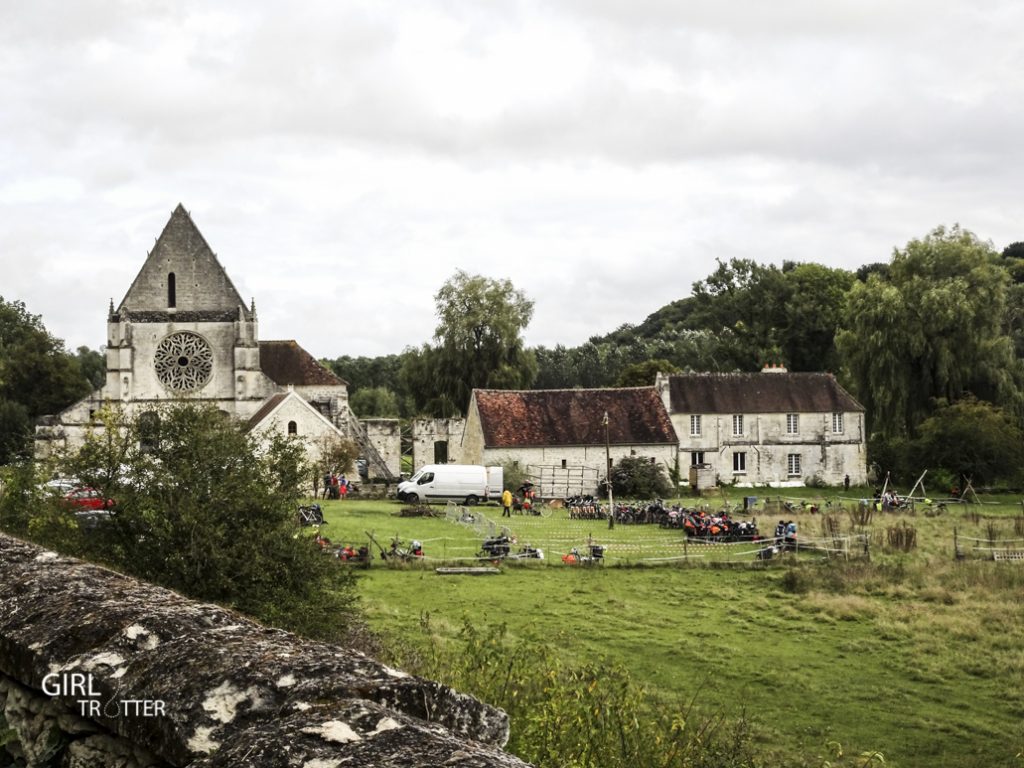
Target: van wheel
<point x="472" y="501"/>
<point x="412" y="498"/>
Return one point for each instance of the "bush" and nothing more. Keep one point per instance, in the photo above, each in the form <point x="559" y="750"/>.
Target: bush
<point x="638" y="477"/>
<point x="795" y="581"/>
<point x="514" y="475"/>
<point x="203" y="508"/>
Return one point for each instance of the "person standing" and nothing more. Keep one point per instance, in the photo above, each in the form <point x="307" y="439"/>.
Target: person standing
<point x="846" y="483"/>
<point x="506" y="503"/>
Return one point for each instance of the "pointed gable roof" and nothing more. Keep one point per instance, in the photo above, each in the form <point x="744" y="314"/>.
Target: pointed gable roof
<point x="759" y="393"/>
<point x="200" y="282"/>
<point x="285" y="362"/>
<point x="276" y="402"/>
<point x="539" y="417"/>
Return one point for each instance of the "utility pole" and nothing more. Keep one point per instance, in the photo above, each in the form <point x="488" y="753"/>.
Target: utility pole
<point x="608" y="473"/>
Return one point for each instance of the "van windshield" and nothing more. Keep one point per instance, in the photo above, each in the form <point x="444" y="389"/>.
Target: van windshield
<point x="415" y="477"/>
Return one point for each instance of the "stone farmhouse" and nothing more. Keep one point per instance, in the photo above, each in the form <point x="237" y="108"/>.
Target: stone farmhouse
<point x="183" y="332"/>
<point x="773" y="427"/>
<point x="559" y="437"/>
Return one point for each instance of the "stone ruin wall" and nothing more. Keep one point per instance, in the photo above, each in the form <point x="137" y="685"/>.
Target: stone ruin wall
<point x="425" y="432"/>
<point x="98" y="669"/>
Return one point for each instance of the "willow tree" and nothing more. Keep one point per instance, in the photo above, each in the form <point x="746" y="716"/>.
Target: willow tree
<point x="931" y="329"/>
<point x="478" y="343"/>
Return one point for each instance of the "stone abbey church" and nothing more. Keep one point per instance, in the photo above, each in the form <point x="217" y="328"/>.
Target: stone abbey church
<point x="183" y="331"/>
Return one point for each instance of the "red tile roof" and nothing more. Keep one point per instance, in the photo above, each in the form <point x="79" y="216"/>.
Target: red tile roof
<point x="287" y="363"/>
<point x="524" y="418"/>
<point x="759" y="393"/>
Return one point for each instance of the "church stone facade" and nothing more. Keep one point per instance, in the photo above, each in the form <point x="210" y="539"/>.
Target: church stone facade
<point x="183" y="332"/>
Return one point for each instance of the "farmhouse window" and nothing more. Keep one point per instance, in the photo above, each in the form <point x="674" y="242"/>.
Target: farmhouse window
<point x="793" y="465"/>
<point x="737" y="424"/>
<point x="739" y="462"/>
<point x="837" y="423"/>
<point x="792" y="424"/>
<point x="293" y="428"/>
<point x="696" y="458"/>
<point x="694" y="426"/>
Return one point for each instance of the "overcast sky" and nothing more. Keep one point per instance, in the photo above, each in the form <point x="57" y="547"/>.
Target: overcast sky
<point x="343" y="159"/>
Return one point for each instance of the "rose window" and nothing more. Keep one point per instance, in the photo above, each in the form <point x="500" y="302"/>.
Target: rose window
<point x="184" y="361"/>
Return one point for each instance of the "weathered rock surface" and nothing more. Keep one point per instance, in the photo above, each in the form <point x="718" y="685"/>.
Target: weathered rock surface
<point x="223" y="690"/>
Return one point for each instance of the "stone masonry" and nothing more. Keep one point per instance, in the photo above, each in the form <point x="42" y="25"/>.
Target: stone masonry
<point x="100" y="669"/>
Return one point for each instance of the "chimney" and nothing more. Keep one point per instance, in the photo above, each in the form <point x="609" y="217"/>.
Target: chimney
<point x="774" y="368"/>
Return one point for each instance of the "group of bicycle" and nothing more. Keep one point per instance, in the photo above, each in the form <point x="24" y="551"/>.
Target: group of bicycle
<point x="697" y="523"/>
<point x="711" y="526"/>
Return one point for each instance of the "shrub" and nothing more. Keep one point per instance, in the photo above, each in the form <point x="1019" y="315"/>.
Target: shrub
<point x="795" y="581"/>
<point x="514" y="475"/>
<point x="638" y="477"/>
<point x="203" y="508"/>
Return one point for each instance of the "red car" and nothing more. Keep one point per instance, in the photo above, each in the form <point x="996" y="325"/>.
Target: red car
<point x="81" y="499"/>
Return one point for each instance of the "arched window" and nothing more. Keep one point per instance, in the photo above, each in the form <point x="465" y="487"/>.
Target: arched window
<point x="172" y="298"/>
<point x="293" y="428"/>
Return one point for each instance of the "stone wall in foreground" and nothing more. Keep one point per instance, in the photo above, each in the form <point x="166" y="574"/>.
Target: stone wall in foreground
<point x="100" y="669"/>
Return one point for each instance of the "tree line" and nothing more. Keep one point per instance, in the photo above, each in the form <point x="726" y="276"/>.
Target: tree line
<point x="936" y="331"/>
<point x="931" y="342"/>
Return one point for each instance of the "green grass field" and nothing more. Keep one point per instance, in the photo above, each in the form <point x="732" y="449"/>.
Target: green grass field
<point x="915" y="655"/>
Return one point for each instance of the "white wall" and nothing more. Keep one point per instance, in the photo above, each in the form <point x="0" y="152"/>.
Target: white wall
<point x="824" y="454"/>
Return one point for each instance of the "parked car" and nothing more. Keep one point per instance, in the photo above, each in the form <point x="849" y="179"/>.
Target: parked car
<point x="84" y="498"/>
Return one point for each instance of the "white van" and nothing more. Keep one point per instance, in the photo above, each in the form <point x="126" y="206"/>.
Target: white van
<point x="466" y="483"/>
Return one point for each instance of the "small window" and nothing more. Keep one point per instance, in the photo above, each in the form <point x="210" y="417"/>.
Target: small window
<point x="793" y="465"/>
<point x="428" y="477"/>
<point x="695" y="426"/>
<point x="440" y="451"/>
<point x="564" y="464"/>
<point x="696" y="458"/>
<point x="737" y="424"/>
<point x="837" y="423"/>
<point x="739" y="462"/>
<point x="172" y="293"/>
<point x="792" y="424"/>
<point x="293" y="428"/>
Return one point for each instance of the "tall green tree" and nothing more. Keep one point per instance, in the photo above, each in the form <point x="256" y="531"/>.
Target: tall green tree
<point x="1013" y="261"/>
<point x="972" y="439"/>
<point x="933" y="328"/>
<point x="375" y="402"/>
<point x="93" y="365"/>
<point x="36" y="374"/>
<point x="478" y="342"/>
<point x="813" y="298"/>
